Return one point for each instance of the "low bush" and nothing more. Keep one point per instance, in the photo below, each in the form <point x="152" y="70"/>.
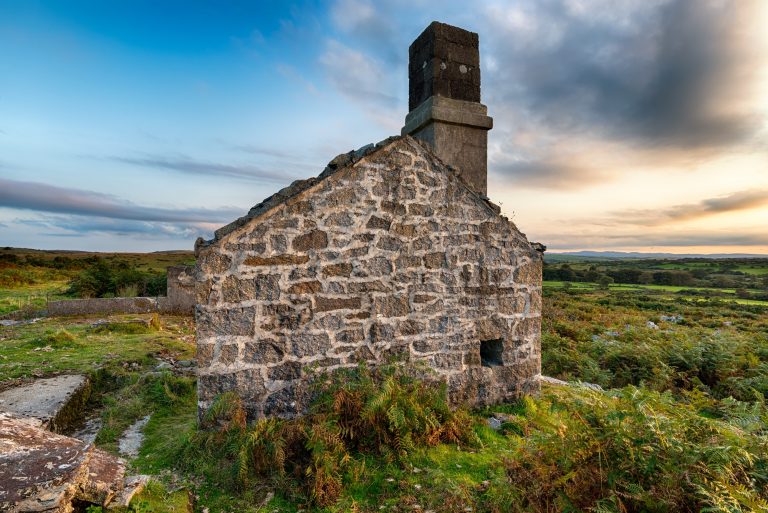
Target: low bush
<point x="103" y="278"/>
<point x="613" y="346"/>
<point x="633" y="450"/>
<point x="387" y="412"/>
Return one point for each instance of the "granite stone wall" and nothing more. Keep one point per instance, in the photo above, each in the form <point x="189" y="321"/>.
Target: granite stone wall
<point x="103" y="305"/>
<point x="391" y="256"/>
<point x="180" y="290"/>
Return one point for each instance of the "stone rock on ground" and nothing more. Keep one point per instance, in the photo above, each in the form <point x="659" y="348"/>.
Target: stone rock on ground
<point x="560" y="382"/>
<point x="56" y="402"/>
<point x="133" y="486"/>
<point x="43" y="472"/>
<point x="130" y="443"/>
<point x="104" y="471"/>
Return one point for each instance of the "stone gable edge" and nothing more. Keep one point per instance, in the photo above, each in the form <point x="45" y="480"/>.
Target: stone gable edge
<point x="300" y="189"/>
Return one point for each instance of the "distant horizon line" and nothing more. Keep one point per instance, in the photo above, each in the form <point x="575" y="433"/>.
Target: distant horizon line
<point x="582" y="252"/>
<point x="655" y="254"/>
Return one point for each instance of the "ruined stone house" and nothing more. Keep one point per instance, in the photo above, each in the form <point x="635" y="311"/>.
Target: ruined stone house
<point x="394" y="250"/>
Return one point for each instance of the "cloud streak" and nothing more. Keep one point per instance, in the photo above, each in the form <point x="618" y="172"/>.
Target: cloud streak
<point x="550" y="174"/>
<point x="78" y="226"/>
<point x="194" y="167"/>
<point x="737" y="201"/>
<point x="356" y="75"/>
<point x="642" y="240"/>
<point x="373" y="29"/>
<point x="49" y="198"/>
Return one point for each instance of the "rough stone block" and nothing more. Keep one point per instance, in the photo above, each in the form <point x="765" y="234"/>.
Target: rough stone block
<point x="214" y="263"/>
<point x="227" y="354"/>
<point x="309" y="344"/>
<point x="325" y="304"/>
<point x="435" y="261"/>
<point x="276" y="260"/>
<point x="410" y="327"/>
<point x="286" y="372"/>
<point x="378" y="223"/>
<point x="305" y="287"/>
<point x="341" y="269"/>
<point x="237" y="321"/>
<point x="530" y="272"/>
<point x="261" y="287"/>
<point x="350" y="336"/>
<point x="281" y="316"/>
<point x="389" y="243"/>
<point x="263" y="352"/>
<point x="381" y="333"/>
<point x="391" y="306"/>
<point x="315" y="239"/>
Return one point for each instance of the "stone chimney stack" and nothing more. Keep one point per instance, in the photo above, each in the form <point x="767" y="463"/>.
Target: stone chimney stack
<point x="444" y="100"/>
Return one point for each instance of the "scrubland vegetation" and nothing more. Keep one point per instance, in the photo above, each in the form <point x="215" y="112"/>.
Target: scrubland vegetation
<point x="29" y="278"/>
<point x="680" y="425"/>
<point x="743" y="278"/>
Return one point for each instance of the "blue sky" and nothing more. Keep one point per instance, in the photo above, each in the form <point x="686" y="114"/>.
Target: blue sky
<point x="137" y="126"/>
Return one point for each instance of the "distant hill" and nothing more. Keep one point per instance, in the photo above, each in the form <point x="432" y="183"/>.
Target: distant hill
<point x="636" y="255"/>
<point x="154" y="262"/>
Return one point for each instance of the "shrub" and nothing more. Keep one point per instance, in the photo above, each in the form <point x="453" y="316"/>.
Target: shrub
<point x="387" y="411"/>
<point x="598" y="341"/>
<point x="631" y="450"/>
<point x="104" y="278"/>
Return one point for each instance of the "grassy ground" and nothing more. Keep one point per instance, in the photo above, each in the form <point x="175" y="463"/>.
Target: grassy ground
<point x="32" y="297"/>
<point x="64" y="345"/>
<point x="669" y="292"/>
<point x="685" y="399"/>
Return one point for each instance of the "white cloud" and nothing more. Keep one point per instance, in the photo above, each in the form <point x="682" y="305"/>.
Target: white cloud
<point x="365" y="80"/>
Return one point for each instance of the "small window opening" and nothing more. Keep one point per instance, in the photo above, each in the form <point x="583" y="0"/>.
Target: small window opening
<point x="491" y="352"/>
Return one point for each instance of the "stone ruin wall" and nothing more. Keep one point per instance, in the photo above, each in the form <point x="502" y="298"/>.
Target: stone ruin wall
<point x="179" y="299"/>
<point x="180" y="292"/>
<point x="389" y="257"/>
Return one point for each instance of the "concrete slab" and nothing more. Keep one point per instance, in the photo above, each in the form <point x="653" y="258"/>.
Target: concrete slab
<point x="56" y="402"/>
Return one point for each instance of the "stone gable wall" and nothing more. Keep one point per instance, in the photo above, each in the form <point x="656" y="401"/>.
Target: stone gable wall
<point x="391" y="257"/>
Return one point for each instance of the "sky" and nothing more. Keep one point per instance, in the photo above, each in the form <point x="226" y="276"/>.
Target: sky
<point x="621" y="125"/>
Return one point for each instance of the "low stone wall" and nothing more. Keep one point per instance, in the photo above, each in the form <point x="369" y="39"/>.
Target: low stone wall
<point x="134" y="305"/>
<point x="116" y="305"/>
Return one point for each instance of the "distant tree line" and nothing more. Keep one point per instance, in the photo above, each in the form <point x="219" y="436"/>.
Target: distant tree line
<point x="724" y="276"/>
<point x="117" y="279"/>
<point x="57" y="262"/>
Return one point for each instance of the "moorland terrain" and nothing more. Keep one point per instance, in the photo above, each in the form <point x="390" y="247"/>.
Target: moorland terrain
<point x="667" y="360"/>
